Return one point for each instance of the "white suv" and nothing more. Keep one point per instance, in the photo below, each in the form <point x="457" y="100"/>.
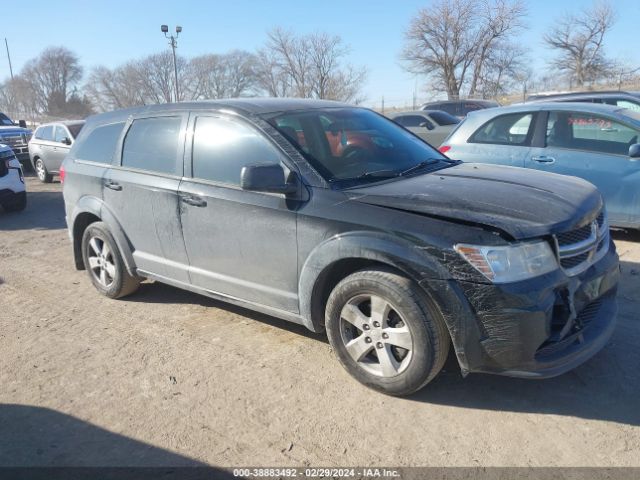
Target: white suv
<point x="13" y="194"/>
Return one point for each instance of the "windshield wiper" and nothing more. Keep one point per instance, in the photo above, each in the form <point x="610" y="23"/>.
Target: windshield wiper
<point x="418" y="166"/>
<point x="382" y="174"/>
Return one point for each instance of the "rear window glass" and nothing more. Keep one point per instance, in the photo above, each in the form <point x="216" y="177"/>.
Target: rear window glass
<point x="45" y="133"/>
<point x="100" y="144"/>
<point x="152" y="144"/>
<point x="512" y="129"/>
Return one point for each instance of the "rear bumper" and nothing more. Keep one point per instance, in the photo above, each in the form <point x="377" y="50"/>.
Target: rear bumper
<point x="537" y="328"/>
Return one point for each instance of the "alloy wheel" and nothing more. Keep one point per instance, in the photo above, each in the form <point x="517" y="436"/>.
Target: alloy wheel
<point x="40" y="170"/>
<point x="101" y="261"/>
<point x="375" y="335"/>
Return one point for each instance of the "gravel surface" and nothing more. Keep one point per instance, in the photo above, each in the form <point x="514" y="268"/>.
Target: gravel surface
<point x="167" y="377"/>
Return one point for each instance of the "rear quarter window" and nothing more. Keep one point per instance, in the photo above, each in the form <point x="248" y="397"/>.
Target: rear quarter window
<point x="100" y="144"/>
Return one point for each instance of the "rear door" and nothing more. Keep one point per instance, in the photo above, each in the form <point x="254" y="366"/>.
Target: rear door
<point x="595" y="148"/>
<point x="503" y="140"/>
<point x="141" y="190"/>
<point x="241" y="244"/>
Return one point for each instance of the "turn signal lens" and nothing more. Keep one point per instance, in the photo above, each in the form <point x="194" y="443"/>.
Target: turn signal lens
<point x="61" y="173"/>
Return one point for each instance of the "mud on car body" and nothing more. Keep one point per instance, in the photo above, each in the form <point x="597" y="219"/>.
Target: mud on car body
<point x="396" y="250"/>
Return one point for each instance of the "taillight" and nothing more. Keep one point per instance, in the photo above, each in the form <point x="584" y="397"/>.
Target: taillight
<point x="61" y="173"/>
<point x="444" y="148"/>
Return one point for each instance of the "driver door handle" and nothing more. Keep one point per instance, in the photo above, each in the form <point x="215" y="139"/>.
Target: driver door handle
<point x="543" y="159"/>
<point x="113" y="185"/>
<point x="193" y="200"/>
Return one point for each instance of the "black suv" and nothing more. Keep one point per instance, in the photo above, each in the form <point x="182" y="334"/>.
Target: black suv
<point x="337" y="218"/>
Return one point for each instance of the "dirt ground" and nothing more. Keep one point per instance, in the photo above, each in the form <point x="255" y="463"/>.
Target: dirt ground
<point x="166" y="377"/>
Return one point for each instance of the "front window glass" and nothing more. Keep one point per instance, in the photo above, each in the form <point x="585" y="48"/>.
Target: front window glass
<point x="61" y="134"/>
<point x="585" y="131"/>
<point x="351" y="145"/>
<point x="410" y="120"/>
<point x="221" y="148"/>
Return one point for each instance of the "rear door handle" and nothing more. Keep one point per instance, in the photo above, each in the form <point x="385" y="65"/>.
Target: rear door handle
<point x="193" y="200"/>
<point x="113" y="185"/>
<point x="543" y="159"/>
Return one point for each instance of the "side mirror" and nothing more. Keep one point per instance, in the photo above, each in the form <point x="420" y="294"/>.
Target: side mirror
<point x="266" y="178"/>
<point x="22" y="124"/>
<point x="634" y="151"/>
<point x="426" y="125"/>
<point x="66" y="141"/>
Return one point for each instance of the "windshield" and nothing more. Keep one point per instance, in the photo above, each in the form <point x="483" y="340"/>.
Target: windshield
<point x="353" y="145"/>
<point x="6" y="121"/>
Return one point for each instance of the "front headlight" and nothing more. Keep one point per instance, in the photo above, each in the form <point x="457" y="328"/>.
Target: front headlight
<point x="511" y="263"/>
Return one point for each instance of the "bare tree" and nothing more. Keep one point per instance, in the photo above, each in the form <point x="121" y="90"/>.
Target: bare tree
<point x="309" y="66"/>
<point x="579" y="40"/>
<point x="271" y="77"/>
<point x="53" y="76"/>
<point x="452" y="39"/>
<point x="222" y="76"/>
<point x="140" y="82"/>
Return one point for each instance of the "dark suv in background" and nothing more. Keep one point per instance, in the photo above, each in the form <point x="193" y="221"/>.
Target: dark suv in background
<point x="396" y="250"/>
<point x="460" y="108"/>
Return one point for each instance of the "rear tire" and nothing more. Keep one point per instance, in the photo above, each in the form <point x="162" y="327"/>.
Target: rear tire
<point x="41" y="171"/>
<point x="103" y="262"/>
<point x="386" y="332"/>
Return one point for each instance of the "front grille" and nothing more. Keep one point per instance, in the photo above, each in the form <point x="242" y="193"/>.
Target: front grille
<point x="14" y="140"/>
<point x="572" y="262"/>
<point x="579" y="248"/>
<point x="574" y="236"/>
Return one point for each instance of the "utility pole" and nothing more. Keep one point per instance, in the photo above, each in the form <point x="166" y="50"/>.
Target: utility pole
<point x="6" y="44"/>
<point x="173" y="41"/>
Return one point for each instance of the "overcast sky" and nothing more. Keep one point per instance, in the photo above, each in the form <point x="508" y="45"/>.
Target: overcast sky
<point x="110" y="32"/>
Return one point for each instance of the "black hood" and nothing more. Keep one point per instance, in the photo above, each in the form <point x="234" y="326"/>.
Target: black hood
<point x="520" y="202"/>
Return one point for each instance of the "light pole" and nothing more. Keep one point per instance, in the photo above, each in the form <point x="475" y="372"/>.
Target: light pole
<point x="173" y="41"/>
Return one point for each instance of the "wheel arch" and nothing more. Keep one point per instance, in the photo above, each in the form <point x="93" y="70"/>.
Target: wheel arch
<point x="344" y="254"/>
<point x="89" y="210"/>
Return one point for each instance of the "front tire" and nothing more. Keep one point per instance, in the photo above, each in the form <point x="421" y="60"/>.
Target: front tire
<point x="41" y="171"/>
<point x="386" y="332"/>
<point x="103" y="262"/>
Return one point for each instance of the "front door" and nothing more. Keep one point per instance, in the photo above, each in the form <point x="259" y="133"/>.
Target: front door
<point x="240" y="244"/>
<point x="595" y="148"/>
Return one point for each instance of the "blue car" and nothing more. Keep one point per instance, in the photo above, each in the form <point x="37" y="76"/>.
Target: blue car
<point x="599" y="143"/>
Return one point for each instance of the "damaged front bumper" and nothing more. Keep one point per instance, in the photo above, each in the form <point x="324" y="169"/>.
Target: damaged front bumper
<point x="536" y="328"/>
